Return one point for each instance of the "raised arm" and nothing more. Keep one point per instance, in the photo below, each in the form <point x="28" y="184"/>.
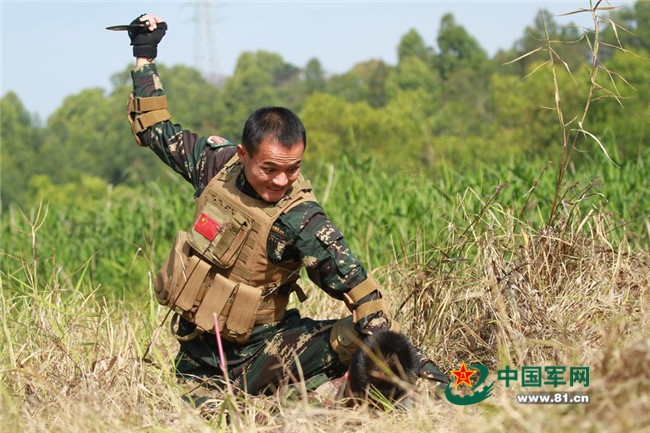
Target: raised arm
<point x="195" y="158"/>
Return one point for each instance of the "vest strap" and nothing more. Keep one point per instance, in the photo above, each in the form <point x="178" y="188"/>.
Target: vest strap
<point x="226" y="171"/>
<point x="302" y="296"/>
<point x="242" y="272"/>
<point x="151" y="103"/>
<point x="367" y="309"/>
<point x="174" y="325"/>
<point x="271" y="309"/>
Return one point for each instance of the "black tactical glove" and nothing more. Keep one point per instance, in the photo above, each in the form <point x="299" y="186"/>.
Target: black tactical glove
<point x="145" y="42"/>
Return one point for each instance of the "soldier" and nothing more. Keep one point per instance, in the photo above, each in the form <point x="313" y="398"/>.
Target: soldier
<point x="256" y="224"/>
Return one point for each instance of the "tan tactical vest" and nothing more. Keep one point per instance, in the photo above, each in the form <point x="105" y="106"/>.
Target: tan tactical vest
<point x="220" y="265"/>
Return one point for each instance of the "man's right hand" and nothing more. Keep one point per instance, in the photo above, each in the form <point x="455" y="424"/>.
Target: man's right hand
<point x="145" y="40"/>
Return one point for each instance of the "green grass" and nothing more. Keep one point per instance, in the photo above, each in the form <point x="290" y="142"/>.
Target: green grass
<point x="474" y="274"/>
<point x="115" y="238"/>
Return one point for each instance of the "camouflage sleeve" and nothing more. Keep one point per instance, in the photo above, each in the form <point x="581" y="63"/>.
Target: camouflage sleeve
<point x="195" y="158"/>
<point x="306" y="234"/>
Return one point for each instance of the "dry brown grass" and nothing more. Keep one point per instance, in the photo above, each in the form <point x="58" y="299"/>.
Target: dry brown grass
<point x="561" y="296"/>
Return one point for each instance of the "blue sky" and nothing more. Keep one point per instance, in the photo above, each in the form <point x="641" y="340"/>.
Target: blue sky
<point x="52" y="49"/>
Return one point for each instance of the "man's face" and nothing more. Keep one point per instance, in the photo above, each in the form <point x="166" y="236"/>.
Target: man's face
<point x="273" y="169"/>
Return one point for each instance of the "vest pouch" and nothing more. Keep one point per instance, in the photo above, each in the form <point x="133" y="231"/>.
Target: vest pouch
<point x="219" y="233"/>
<point x="235" y="305"/>
<point x="172" y="269"/>
<point x="187" y="288"/>
<point x="215" y="299"/>
<point x="241" y="318"/>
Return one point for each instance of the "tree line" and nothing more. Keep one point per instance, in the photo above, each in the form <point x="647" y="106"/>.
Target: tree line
<point x="443" y="104"/>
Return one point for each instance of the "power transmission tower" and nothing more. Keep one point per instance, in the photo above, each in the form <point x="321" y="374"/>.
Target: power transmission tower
<point x="205" y="43"/>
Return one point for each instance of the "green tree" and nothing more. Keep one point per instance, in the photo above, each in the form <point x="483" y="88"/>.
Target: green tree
<point x="21" y="140"/>
<point x="314" y="77"/>
<point x="524" y="110"/>
<point x="408" y="140"/>
<point x="80" y="139"/>
<point x="412" y="45"/>
<point x="642" y="28"/>
<point x="89" y="135"/>
<point x="366" y="81"/>
<point x="413" y="73"/>
<point x="260" y="79"/>
<point x="458" y="49"/>
<point x="336" y="126"/>
<point x="192" y="100"/>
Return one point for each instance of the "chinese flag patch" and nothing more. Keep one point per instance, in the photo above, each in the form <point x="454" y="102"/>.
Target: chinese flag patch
<point x="207" y="226"/>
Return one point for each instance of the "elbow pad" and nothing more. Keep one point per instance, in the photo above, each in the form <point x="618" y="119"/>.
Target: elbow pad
<point x="145" y="112"/>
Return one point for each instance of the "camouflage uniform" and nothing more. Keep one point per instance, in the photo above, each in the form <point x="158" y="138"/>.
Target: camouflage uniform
<point x="294" y="348"/>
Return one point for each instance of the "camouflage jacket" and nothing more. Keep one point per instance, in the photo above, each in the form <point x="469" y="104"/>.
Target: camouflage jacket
<point x="303" y="234"/>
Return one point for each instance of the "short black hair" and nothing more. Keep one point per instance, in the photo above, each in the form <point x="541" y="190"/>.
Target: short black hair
<point x="277" y="123"/>
<point x="392" y="349"/>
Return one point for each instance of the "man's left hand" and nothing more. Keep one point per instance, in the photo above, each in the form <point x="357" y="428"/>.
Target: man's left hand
<point x="145" y="40"/>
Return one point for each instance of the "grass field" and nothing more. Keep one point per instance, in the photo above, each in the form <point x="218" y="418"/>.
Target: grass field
<point x="473" y="269"/>
<point x="490" y="265"/>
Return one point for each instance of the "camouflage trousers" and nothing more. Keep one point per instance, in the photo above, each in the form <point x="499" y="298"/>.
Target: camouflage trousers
<point x="292" y="350"/>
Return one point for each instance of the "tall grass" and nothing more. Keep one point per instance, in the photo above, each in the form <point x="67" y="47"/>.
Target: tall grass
<point x="121" y="236"/>
<point x="473" y="273"/>
<point x="526" y="264"/>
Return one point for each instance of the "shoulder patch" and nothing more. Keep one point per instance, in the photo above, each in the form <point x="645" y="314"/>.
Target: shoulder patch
<point x="216" y="141"/>
<point x="278" y="231"/>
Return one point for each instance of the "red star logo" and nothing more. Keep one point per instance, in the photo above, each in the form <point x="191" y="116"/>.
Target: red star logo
<point x="463" y="375"/>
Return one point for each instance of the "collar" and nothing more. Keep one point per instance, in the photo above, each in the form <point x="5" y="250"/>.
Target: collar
<point x="244" y="186"/>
